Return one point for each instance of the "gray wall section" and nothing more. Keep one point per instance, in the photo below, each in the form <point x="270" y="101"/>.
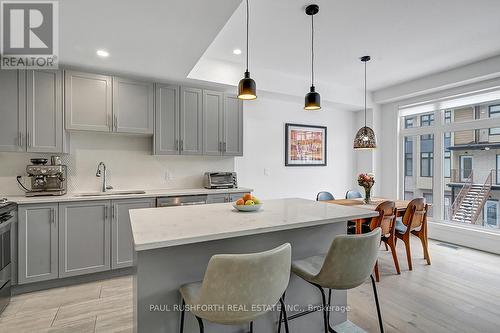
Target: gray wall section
<point x="161" y="272"/>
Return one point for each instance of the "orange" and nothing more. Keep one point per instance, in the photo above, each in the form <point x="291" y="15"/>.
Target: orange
<point x="247" y="196"/>
<point x="240" y="202"/>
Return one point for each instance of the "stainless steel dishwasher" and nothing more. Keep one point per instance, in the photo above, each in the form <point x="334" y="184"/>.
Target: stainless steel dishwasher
<point x="184" y="200"/>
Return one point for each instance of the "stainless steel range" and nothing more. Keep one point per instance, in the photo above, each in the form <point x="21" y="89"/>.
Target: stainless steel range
<point x="8" y="217"/>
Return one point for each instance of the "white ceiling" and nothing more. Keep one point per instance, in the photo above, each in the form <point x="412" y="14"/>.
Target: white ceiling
<point x="406" y="39"/>
<point x="175" y="40"/>
<point x="153" y="38"/>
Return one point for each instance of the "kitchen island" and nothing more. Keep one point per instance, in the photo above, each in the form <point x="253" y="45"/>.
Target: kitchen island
<point x="174" y="244"/>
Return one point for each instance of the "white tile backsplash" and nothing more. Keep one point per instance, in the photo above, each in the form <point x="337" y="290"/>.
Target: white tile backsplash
<point x="128" y="158"/>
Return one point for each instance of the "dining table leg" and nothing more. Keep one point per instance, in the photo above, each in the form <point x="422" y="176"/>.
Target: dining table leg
<point x="359" y="229"/>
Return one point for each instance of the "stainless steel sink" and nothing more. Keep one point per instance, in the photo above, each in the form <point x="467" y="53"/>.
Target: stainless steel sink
<point x="100" y="194"/>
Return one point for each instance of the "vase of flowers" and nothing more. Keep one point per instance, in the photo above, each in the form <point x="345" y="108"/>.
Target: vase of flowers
<point x="366" y="180"/>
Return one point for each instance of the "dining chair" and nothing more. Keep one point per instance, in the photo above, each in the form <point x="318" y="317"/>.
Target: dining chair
<point x="347" y="265"/>
<point x="414" y="222"/>
<point x="386" y="221"/>
<point x="352" y="194"/>
<point x="233" y="283"/>
<point x="324" y="196"/>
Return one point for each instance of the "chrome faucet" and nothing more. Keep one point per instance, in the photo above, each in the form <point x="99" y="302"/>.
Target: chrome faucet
<point x="105" y="185"/>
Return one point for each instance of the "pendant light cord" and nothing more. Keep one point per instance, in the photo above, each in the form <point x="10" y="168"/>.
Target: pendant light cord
<point x="312" y="50"/>
<point x="365" y="93"/>
<point x="248" y="15"/>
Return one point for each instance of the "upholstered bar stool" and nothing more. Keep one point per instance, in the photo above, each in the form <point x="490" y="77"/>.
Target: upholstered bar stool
<point x="234" y="282"/>
<point x="348" y="264"/>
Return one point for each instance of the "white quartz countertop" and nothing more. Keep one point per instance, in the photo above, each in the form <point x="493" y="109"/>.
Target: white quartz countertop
<point x="149" y="194"/>
<point x="154" y="228"/>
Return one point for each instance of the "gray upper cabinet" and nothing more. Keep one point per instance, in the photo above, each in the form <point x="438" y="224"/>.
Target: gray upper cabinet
<point x="88" y="100"/>
<point x="133" y="106"/>
<point x="12" y="110"/>
<point x="191" y="121"/>
<point x="167" y="123"/>
<point x="84" y="237"/>
<point x="213" y="116"/>
<point x="37" y="243"/>
<point x="233" y="126"/>
<point x="122" y="243"/>
<point x="44" y="111"/>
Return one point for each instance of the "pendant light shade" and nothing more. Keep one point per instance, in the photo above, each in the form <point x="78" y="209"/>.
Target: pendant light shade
<point x="365" y="138"/>
<point x="312" y="100"/>
<point x="247" y="89"/>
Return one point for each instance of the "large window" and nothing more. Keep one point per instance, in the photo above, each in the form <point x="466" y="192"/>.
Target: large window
<point x="494" y="112"/>
<point x="459" y="138"/>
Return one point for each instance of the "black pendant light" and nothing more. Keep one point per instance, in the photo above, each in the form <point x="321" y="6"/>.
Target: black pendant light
<point x="312" y="99"/>
<point x="365" y="138"/>
<point x="247" y="89"/>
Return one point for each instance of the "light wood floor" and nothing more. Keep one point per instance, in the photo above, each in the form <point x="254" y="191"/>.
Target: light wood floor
<point x="459" y="292"/>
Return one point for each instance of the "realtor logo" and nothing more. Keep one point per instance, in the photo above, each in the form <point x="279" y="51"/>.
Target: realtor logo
<point x="29" y="36"/>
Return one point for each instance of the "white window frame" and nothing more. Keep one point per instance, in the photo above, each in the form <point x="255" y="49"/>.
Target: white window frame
<point x="438" y="129"/>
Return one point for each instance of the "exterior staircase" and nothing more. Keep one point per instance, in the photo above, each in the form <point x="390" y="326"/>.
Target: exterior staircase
<point x="471" y="200"/>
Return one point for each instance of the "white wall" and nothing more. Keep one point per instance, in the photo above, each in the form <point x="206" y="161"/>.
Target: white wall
<point x="264" y="126"/>
<point x="129" y="161"/>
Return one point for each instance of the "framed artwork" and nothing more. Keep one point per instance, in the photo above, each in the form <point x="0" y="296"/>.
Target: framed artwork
<point x="305" y="145"/>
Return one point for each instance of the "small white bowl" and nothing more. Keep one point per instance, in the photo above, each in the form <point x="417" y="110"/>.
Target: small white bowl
<point x="247" y="208"/>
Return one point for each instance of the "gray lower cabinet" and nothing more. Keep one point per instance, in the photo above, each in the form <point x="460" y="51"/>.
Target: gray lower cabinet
<point x="44" y="111"/>
<point x="12" y="110"/>
<point x="133" y="109"/>
<point x="217" y="198"/>
<point x="191" y="121"/>
<point x="233" y="126"/>
<point x="84" y="237"/>
<point x="167" y="123"/>
<point x="88" y="101"/>
<point x="122" y="244"/>
<point x="223" y="197"/>
<point x="213" y="122"/>
<point x="37" y="243"/>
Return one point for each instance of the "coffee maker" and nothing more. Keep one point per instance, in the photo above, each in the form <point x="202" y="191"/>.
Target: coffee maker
<point x="46" y="179"/>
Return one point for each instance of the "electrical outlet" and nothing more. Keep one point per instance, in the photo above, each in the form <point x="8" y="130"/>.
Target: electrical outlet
<point x="267" y="172"/>
<point x="168" y="175"/>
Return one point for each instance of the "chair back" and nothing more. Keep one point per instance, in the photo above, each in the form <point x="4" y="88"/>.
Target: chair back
<point x="386" y="219"/>
<point x="351" y="194"/>
<point x="350" y="260"/>
<point x="242" y="280"/>
<point x="324" y="196"/>
<point x="416" y="214"/>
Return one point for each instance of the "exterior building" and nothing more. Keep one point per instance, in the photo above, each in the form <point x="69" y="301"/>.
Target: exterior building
<point x="471" y="161"/>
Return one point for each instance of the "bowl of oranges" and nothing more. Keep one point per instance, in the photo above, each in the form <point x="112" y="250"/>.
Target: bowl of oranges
<point x="247" y="203"/>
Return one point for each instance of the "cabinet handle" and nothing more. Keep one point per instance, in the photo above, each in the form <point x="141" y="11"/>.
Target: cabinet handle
<point x="220" y="146"/>
<point x="113" y="212"/>
<point x="106" y="213"/>
<point x="28" y="139"/>
<point x="177" y="147"/>
<point x="224" y="148"/>
<point x="182" y="146"/>
<point x="19" y="139"/>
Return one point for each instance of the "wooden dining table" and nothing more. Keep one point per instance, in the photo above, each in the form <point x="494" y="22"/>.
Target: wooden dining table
<point x="359" y="203"/>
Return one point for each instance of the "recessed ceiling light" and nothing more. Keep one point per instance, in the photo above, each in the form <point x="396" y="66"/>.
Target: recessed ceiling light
<point x="102" y="53"/>
<point x="237" y="51"/>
